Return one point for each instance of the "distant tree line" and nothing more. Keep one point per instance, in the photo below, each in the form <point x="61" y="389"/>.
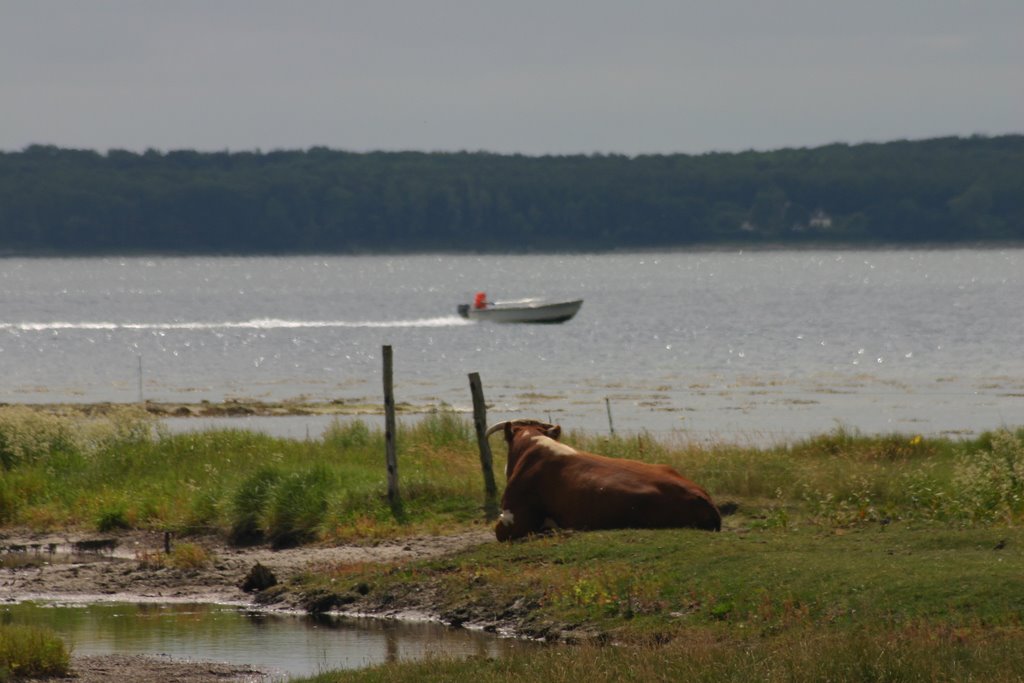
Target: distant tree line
<point x="946" y="190"/>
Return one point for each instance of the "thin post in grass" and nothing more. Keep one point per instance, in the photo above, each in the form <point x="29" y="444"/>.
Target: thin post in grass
<point x="486" y="459"/>
<point x="389" y="428"/>
<point x="608" y="407"/>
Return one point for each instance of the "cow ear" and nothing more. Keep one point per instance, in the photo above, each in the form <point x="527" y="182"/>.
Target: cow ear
<point x="508" y="432"/>
<point x="554" y="432"/>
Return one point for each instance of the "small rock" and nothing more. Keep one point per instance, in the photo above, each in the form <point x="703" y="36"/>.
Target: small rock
<point x="259" y="578"/>
<point x="320" y="601"/>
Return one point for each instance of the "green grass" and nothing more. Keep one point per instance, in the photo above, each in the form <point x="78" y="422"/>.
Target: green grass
<point x="121" y="472"/>
<point x="845" y="479"/>
<point x="881" y="655"/>
<point x="850" y="558"/>
<point x="29" y="652"/>
<point x="899" y="602"/>
<point x="639" y="584"/>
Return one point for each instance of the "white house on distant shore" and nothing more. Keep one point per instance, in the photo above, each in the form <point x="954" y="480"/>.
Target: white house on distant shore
<point x="819" y="220"/>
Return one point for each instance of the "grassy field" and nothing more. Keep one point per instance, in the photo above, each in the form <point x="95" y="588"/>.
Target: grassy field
<point x="877" y="655"/>
<point x="849" y="558"/>
<point x="898" y="602"/>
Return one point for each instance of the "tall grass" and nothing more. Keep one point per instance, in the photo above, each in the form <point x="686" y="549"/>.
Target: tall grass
<point x="125" y="472"/>
<point x="298" y="505"/>
<point x="30" y="652"/>
<point x="122" y="471"/>
<point x="843" y="478"/>
<point x="248" y="504"/>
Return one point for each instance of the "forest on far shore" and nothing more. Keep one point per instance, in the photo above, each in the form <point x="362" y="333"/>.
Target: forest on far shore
<point x="939" y="191"/>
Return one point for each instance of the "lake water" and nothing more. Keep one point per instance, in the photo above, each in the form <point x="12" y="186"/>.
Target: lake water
<point x="748" y="346"/>
<point x="282" y="645"/>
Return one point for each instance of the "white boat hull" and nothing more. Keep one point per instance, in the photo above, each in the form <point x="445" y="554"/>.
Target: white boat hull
<point x="523" y="311"/>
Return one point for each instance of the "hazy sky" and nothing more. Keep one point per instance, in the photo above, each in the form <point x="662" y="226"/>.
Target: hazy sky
<point x="529" y="76"/>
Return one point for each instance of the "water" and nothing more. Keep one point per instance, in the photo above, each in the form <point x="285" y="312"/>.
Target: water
<point x="282" y="645"/>
<point x="713" y="345"/>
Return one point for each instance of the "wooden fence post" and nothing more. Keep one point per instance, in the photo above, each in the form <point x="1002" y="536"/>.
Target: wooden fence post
<point x="486" y="459"/>
<point x="389" y="428"/>
<point x="480" y="422"/>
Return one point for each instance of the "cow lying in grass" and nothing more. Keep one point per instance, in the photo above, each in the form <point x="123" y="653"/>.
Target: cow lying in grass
<point x="550" y="483"/>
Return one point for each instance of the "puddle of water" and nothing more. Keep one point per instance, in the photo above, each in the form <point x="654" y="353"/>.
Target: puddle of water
<point x="285" y="426"/>
<point x="280" y="644"/>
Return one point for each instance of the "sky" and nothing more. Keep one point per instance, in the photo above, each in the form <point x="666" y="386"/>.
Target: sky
<point x="532" y="77"/>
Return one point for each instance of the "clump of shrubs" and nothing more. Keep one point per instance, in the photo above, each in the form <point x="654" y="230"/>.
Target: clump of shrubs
<point x="989" y="482"/>
<point x="248" y="505"/>
<point x="28" y="435"/>
<point x="298" y="506"/>
<point x="284" y="509"/>
<point x="184" y="556"/>
<point x="31" y="652"/>
<point x="983" y="485"/>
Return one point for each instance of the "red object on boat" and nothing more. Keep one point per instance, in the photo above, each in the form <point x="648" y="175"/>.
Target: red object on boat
<point x="480" y="300"/>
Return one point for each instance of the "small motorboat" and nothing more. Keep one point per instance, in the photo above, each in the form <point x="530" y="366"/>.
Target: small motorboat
<point x="520" y="311"/>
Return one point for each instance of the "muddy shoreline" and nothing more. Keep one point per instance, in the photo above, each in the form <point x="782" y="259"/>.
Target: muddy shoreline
<point x="232" y="407"/>
<point x="122" y="570"/>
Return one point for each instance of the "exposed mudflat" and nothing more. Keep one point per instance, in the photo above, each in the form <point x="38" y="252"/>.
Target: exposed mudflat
<point x="125" y="575"/>
<point x="140" y="669"/>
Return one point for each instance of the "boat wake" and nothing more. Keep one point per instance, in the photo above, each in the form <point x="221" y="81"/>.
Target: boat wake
<point x="257" y="324"/>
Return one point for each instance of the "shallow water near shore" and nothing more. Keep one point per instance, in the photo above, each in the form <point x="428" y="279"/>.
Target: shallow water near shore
<point x="744" y="346"/>
<point x="281" y="645"/>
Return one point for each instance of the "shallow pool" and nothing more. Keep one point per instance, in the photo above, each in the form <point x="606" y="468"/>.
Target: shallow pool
<point x="283" y="645"/>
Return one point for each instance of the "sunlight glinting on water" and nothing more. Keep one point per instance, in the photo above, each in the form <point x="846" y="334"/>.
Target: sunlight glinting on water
<point x="729" y="343"/>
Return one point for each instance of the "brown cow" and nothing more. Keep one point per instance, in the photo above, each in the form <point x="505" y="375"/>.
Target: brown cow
<point x="551" y="483"/>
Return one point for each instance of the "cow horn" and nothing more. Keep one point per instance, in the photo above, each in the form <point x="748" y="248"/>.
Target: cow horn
<point x="494" y="428"/>
<point x="521" y="421"/>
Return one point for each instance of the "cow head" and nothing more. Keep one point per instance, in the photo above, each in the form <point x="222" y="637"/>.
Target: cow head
<point x="522" y="429"/>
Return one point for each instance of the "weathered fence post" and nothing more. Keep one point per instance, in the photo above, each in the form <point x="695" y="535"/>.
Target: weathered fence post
<point x="486" y="459"/>
<point x="608" y="407"/>
<point x="389" y="428"/>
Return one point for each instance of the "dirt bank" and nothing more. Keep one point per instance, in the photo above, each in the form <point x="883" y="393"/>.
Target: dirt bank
<point x="123" y="572"/>
<point x="126" y="568"/>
